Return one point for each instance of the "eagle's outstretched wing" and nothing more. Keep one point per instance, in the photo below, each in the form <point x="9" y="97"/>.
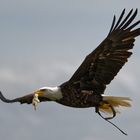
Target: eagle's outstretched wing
<point x="25" y="99"/>
<point x="103" y="64"/>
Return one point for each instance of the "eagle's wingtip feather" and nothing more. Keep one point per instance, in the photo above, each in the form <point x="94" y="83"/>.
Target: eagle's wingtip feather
<point x="5" y="99"/>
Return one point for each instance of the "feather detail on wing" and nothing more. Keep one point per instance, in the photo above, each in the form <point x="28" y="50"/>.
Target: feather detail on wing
<point x="25" y="99"/>
<point x="101" y="66"/>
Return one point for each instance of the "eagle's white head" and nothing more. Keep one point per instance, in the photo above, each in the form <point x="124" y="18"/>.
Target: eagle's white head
<point x="52" y="93"/>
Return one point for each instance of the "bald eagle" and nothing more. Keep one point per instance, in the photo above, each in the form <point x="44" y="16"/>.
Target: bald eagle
<point x="86" y="87"/>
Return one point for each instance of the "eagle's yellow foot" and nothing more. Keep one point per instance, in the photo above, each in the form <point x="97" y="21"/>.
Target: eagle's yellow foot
<point x="35" y="101"/>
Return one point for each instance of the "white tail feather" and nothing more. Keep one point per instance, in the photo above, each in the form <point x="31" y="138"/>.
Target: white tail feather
<point x="115" y="102"/>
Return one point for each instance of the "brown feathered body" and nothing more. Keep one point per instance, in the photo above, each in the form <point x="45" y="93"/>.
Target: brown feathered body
<point x="77" y="98"/>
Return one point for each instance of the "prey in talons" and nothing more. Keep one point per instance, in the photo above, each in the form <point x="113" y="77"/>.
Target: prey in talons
<point x="35" y="101"/>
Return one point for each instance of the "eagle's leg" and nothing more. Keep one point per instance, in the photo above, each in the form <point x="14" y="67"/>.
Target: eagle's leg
<point x="35" y="101"/>
<point x="113" y="112"/>
<point x="107" y="118"/>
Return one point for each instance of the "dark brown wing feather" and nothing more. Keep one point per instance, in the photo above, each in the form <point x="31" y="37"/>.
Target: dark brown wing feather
<point x="25" y="99"/>
<point x="101" y="65"/>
